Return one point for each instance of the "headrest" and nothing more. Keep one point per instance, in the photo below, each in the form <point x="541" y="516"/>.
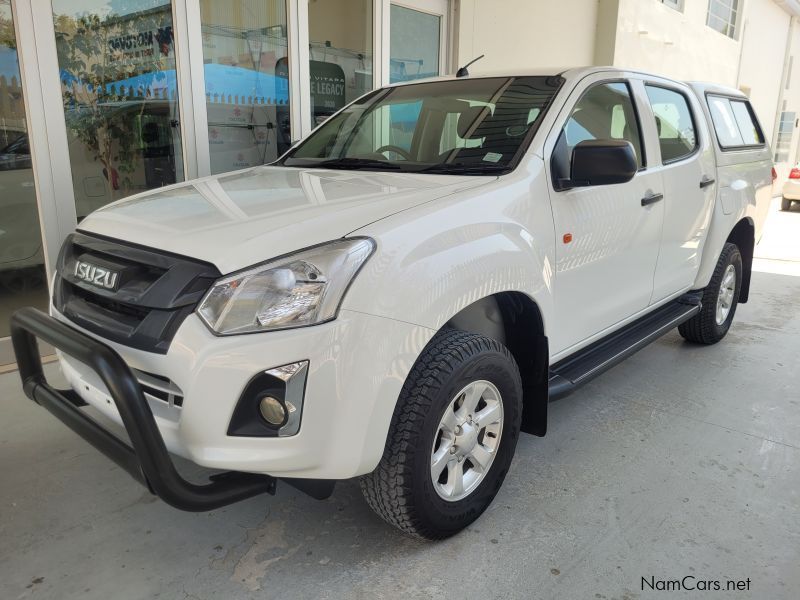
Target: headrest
<point x="468" y="119"/>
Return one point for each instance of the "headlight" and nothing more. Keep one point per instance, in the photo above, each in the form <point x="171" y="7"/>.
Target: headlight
<point x="302" y="289"/>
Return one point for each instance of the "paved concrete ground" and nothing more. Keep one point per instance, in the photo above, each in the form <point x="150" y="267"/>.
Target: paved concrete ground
<point x="681" y="461"/>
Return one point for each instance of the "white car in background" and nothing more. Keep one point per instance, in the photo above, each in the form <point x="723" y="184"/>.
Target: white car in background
<point x="791" y="189"/>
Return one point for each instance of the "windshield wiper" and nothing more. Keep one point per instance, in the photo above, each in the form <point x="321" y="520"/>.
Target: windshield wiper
<point x="355" y="163"/>
<point x="465" y="169"/>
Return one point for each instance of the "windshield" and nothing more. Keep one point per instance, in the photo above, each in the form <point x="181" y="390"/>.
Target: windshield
<point x="466" y="126"/>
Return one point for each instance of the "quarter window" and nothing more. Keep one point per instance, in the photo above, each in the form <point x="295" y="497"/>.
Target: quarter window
<point x="676" y="134"/>
<point x="604" y="112"/>
<point x="734" y="122"/>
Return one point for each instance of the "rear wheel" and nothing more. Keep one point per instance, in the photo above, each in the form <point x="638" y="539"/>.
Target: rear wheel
<point x="720" y="298"/>
<point x="786" y="204"/>
<point x="451" y="439"/>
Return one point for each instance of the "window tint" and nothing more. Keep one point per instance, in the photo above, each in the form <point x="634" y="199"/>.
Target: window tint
<point x="470" y="126"/>
<point x="747" y="123"/>
<point x="676" y="134"/>
<point x="734" y="122"/>
<point x="604" y="112"/>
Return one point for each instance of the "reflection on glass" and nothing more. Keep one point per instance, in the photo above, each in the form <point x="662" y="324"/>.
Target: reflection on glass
<point x="341" y="54"/>
<point x="247" y="86"/>
<point x="118" y="81"/>
<point x="22" y="280"/>
<point x="414" y="44"/>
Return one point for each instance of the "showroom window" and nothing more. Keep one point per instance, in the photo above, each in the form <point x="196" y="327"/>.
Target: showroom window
<point x="22" y="277"/>
<point x="415" y="41"/>
<point x="340" y="54"/>
<point x="246" y="71"/>
<point x="723" y="15"/>
<point x="118" y="83"/>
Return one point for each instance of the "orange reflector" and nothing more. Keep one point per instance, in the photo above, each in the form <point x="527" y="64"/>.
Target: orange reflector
<point x="567" y="238"/>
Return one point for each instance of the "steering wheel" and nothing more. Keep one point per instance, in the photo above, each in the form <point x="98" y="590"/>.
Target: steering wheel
<point x="392" y="148"/>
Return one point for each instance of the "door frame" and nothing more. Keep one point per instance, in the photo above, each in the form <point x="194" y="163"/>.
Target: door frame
<point x="439" y="8"/>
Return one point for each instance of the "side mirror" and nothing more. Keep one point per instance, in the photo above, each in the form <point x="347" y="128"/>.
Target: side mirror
<point x="602" y="162"/>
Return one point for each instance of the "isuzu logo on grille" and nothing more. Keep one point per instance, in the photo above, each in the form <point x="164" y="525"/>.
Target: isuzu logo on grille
<point x="99" y="276"/>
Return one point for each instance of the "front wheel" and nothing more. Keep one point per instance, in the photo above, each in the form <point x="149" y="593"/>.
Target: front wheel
<point x="451" y="439"/>
<point x="720" y="298"/>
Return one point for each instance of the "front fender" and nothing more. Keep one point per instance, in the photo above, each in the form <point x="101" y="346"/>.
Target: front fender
<point x="435" y="260"/>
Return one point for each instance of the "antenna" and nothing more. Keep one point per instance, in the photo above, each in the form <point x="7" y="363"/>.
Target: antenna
<point x="462" y="72"/>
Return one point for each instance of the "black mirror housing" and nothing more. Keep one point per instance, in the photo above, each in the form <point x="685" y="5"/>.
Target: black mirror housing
<point x="602" y="162"/>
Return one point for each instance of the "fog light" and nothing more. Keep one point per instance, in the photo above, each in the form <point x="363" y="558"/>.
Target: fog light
<point x="272" y="410"/>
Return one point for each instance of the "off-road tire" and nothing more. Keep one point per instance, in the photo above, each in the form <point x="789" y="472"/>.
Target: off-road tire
<point x="703" y="327"/>
<point x="400" y="489"/>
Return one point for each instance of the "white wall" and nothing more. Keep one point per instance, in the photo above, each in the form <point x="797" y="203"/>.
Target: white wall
<point x="764" y="44"/>
<point x="518" y="34"/>
<point x="654" y="37"/>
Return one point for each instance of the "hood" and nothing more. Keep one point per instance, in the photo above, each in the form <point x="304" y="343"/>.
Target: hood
<point x="242" y="218"/>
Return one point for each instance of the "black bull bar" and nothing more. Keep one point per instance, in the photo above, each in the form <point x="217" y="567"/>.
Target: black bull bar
<point x="146" y="458"/>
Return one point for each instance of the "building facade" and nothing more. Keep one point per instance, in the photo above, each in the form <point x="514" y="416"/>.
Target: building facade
<point x="101" y="99"/>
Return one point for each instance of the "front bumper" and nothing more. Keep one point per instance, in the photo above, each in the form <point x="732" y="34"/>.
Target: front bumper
<point x="356" y="367"/>
<point x="791" y="189"/>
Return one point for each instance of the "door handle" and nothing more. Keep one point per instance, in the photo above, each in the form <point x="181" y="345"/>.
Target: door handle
<point x="652" y="199"/>
<point x="706" y="181"/>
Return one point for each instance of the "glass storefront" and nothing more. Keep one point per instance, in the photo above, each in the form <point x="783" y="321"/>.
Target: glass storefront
<point x="116" y="62"/>
<point x="135" y="119"/>
<point x="415" y="42"/>
<point x="340" y="54"/>
<point x="22" y="277"/>
<point x="245" y="51"/>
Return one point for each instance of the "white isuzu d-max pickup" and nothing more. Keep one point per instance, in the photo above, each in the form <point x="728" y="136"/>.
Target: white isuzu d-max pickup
<point x="402" y="293"/>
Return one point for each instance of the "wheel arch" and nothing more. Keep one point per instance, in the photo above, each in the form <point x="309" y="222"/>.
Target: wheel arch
<point x="516" y="320"/>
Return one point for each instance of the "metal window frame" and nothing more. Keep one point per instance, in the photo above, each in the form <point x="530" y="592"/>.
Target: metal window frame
<point x="674" y="4"/>
<point x="732" y="20"/>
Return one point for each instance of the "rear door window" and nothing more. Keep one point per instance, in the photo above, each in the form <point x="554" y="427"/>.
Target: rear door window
<point x="676" y="132"/>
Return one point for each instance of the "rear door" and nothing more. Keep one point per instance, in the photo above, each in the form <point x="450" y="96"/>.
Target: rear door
<point x="685" y="159"/>
<point x="607" y="238"/>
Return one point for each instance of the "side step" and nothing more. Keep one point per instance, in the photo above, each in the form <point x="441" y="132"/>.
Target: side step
<point x="586" y="364"/>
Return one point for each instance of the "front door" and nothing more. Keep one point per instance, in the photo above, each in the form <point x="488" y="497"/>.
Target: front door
<point x="607" y="238"/>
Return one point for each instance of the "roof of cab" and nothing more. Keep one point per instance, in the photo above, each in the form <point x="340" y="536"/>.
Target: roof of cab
<point x="573" y="73"/>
